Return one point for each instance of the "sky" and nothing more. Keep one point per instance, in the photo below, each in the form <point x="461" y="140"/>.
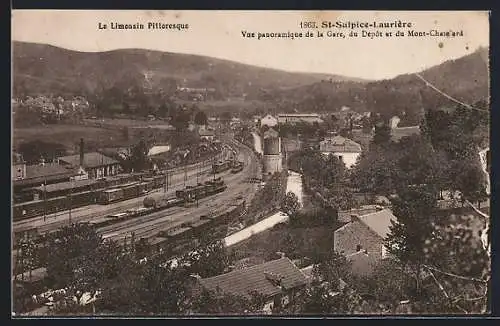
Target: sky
<point x="219" y="34"/>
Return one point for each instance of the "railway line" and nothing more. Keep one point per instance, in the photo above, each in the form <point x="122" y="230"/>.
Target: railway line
<point x="148" y="226"/>
<point x="90" y="212"/>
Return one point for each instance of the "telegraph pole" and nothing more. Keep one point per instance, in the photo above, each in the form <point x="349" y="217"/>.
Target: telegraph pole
<point x="70" y="200"/>
<point x="44" y="200"/>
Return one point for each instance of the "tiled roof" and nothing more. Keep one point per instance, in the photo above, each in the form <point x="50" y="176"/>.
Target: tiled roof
<point x="67" y="185"/>
<point x="90" y="160"/>
<point x="155" y="150"/>
<point x="37" y="174"/>
<point x="379" y="221"/>
<point x="35" y="171"/>
<point x="339" y="144"/>
<point x="400" y="132"/>
<point x="301" y="115"/>
<point x="243" y="282"/>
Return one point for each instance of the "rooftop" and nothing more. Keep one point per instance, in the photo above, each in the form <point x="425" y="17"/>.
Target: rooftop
<point x="155" y="150"/>
<point x="38" y="174"/>
<point x="302" y="115"/>
<point x="90" y="160"/>
<point x="339" y="144"/>
<point x="66" y="185"/>
<point x="258" y="278"/>
<point x="400" y="132"/>
<point x="379" y="221"/>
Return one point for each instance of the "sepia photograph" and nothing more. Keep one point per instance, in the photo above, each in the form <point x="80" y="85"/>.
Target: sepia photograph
<point x="185" y="163"/>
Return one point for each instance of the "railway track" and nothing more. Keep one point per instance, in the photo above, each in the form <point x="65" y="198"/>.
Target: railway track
<point x="149" y="225"/>
<point x="48" y="226"/>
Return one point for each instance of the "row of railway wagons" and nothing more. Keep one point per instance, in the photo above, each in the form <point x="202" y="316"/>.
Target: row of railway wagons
<point x="211" y="187"/>
<point x="189" y="233"/>
<point x="103" y="192"/>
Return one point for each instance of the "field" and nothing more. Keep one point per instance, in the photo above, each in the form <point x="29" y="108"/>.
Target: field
<point x="69" y="135"/>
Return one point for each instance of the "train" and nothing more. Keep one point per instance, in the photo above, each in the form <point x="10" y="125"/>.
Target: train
<point x="104" y="191"/>
<point x="237" y="167"/>
<point x="192" y="193"/>
<point x="187" y="235"/>
<point x="221" y="166"/>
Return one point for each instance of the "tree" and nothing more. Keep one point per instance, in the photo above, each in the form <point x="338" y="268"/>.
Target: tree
<point x="65" y="249"/>
<point x="208" y="260"/>
<point x="34" y="151"/>
<point x="138" y="160"/>
<point x="200" y="118"/>
<point x="180" y="120"/>
<point x="226" y="117"/>
<point x="290" y="204"/>
<point x="382" y="134"/>
<point x="413" y="209"/>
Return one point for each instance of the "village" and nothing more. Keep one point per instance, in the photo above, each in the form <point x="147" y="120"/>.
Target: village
<point x="179" y="179"/>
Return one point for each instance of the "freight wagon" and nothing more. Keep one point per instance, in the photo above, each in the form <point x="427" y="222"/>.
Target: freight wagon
<point x="177" y="233"/>
<point x="111" y="196"/>
<point x="221" y="166"/>
<point x="237" y="167"/>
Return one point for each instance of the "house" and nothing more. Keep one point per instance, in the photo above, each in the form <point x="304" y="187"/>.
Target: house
<point x="27" y="177"/>
<point x="394" y="121"/>
<point x="208" y="135"/>
<point x="400" y="132"/>
<point x="94" y="165"/>
<point x="158" y="149"/>
<point x="365" y="233"/>
<point x="292" y="118"/>
<point x="279" y="281"/>
<point x="345" y="149"/>
<point x="268" y="120"/>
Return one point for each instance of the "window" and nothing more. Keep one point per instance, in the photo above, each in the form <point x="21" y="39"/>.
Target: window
<point x="340" y="157"/>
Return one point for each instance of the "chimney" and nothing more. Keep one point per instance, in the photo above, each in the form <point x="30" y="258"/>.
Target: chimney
<point x="81" y="152"/>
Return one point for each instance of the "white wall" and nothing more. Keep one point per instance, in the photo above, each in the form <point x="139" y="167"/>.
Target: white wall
<point x="269" y="121"/>
<point x="349" y="159"/>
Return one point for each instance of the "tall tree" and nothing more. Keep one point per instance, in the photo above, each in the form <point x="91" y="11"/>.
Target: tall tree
<point x="200" y="118"/>
<point x="382" y="134"/>
<point x="414" y="209"/>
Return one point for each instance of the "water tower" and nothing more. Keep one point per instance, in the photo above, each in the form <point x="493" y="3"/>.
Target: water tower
<point x="272" y="159"/>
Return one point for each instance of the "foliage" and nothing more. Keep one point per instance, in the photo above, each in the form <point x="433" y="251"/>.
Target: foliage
<point x="413" y="209"/>
<point x="208" y="260"/>
<point x="200" y="118"/>
<point x="290" y="204"/>
<point x="138" y="160"/>
<point x="34" y="151"/>
<point x="219" y="303"/>
<point x="382" y="134"/>
<point x="64" y="250"/>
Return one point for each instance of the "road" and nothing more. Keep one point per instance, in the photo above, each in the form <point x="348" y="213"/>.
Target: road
<point x="87" y="213"/>
<point x="149" y="226"/>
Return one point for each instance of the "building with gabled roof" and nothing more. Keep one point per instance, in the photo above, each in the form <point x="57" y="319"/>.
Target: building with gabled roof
<point x="92" y="165"/>
<point x="365" y="233"/>
<point x="278" y="281"/>
<point x="345" y="149"/>
<point x="268" y="120"/>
